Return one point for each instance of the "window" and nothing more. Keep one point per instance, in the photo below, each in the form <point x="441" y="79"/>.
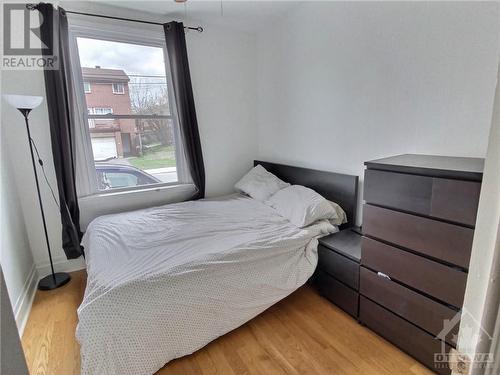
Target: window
<point x="112" y="177"/>
<point x="86" y="87"/>
<point x="102" y="121"/>
<point x="100" y="111"/>
<point x="118" y="88"/>
<point x="132" y="137"/>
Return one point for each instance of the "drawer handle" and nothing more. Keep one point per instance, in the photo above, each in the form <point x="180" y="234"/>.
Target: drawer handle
<point x="380" y="274"/>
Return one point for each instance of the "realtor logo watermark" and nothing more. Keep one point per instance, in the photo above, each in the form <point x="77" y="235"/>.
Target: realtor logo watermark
<point x="472" y="332"/>
<point x="23" y="48"/>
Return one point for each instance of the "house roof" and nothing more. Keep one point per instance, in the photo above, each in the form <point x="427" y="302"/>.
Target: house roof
<point x="104" y="75"/>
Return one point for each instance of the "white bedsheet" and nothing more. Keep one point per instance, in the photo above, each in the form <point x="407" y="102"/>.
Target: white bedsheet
<point x="163" y="282"/>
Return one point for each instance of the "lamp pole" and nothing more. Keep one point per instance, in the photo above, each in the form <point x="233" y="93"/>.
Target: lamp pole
<point x="26" y="113"/>
<point x="25" y="104"/>
<point x="54" y="280"/>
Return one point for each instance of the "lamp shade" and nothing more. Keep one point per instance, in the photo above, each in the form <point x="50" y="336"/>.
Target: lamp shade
<point x="23" y="101"/>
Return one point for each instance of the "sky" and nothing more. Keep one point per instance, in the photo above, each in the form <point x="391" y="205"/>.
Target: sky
<point x="133" y="58"/>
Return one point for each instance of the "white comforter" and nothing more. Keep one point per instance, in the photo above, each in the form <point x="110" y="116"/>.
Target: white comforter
<point x="165" y="281"/>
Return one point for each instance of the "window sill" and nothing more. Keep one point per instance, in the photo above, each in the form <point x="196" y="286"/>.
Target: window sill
<point x="152" y="189"/>
<point x="92" y="206"/>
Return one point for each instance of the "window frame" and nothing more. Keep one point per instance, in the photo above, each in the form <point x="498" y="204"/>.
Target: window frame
<point x="89" y="91"/>
<point x="118" y="92"/>
<point x="110" y="32"/>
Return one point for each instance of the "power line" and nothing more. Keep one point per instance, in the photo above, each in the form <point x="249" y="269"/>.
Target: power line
<point x="147" y="83"/>
<point x="144" y="75"/>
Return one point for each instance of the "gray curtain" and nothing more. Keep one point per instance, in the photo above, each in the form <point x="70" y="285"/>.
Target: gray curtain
<point x="184" y="101"/>
<point x="54" y="33"/>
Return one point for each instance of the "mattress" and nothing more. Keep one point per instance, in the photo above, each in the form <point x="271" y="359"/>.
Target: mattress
<point x="165" y="281"/>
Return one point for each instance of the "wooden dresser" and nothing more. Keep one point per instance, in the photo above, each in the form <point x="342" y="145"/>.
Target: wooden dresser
<point x="418" y="225"/>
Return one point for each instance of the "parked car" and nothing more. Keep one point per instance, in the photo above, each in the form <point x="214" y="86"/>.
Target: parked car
<point x="112" y="176"/>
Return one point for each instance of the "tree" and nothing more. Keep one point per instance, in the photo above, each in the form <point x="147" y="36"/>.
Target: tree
<point x="148" y="97"/>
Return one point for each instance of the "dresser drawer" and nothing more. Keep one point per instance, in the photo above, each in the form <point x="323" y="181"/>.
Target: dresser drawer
<point x="455" y="200"/>
<point x="443" y="241"/>
<point x="341" y="295"/>
<point x="435" y="279"/>
<point x="398" y="190"/>
<point x="403" y="334"/>
<point x="452" y="200"/>
<point x="339" y="266"/>
<point x="414" y="307"/>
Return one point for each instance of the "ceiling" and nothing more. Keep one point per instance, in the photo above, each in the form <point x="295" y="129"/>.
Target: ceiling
<point x="240" y="15"/>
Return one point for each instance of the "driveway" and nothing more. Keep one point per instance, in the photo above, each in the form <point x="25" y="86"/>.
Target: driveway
<point x="164" y="174"/>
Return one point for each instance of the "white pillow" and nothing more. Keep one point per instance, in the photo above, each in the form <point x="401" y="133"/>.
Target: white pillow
<point x="341" y="215"/>
<point x="302" y="206"/>
<point x="260" y="184"/>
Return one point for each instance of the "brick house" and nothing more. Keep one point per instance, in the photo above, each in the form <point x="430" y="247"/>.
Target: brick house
<point x="107" y="91"/>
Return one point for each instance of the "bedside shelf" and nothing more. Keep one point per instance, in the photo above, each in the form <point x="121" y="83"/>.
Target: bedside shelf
<point x="346" y="242"/>
<point x="337" y="274"/>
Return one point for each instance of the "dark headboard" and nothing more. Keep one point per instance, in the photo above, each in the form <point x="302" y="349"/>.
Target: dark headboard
<point x="336" y="187"/>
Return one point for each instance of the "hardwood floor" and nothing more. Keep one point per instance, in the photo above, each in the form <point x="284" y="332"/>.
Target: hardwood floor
<point x="303" y="334"/>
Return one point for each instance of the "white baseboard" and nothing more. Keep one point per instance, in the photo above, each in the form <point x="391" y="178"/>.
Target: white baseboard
<point x="22" y="307"/>
<point x="61" y="264"/>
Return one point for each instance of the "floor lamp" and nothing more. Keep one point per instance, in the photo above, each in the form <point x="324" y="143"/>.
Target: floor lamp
<point x="25" y="104"/>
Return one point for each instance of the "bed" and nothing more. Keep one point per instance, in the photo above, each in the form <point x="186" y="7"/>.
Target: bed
<point x="165" y="281"/>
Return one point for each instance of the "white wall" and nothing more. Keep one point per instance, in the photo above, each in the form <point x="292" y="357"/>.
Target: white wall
<point x="15" y="253"/>
<point x="485" y="239"/>
<point x="223" y="72"/>
<point x="345" y="82"/>
<point x="11" y="344"/>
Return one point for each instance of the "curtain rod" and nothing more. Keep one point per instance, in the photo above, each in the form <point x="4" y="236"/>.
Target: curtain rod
<point x="35" y="6"/>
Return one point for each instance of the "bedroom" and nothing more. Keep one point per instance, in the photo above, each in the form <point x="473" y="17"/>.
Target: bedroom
<point x="321" y="87"/>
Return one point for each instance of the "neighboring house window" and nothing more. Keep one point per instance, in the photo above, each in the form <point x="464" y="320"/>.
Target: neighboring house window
<point x="138" y="146"/>
<point x="100" y="111"/>
<point x="118" y="88"/>
<point x="86" y="87"/>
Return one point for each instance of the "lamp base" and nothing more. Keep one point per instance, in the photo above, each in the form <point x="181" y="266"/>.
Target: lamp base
<point x="48" y="283"/>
